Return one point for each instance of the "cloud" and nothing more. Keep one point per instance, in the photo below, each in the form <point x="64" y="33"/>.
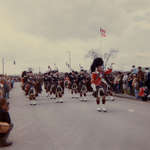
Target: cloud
<point x="40" y="32"/>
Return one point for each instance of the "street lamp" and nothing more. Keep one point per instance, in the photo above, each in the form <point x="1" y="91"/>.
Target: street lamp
<point x="3" y="65"/>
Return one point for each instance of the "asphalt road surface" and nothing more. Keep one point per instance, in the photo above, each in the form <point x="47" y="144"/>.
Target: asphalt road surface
<point x="76" y="125"/>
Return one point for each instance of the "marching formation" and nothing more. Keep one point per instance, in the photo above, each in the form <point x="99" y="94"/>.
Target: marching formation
<point x="56" y="84"/>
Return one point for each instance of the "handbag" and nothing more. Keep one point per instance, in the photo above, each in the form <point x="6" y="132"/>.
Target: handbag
<point x="4" y="127"/>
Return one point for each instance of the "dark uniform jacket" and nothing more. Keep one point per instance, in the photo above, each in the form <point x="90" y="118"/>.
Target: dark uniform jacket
<point x="4" y="117"/>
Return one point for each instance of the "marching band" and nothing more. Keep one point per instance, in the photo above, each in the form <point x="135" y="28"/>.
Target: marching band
<point x="78" y="84"/>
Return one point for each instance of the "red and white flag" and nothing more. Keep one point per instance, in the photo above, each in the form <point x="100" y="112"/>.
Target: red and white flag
<point x="103" y="32"/>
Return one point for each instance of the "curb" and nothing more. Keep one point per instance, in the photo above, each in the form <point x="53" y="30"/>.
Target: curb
<point x="130" y="97"/>
<point x="125" y="96"/>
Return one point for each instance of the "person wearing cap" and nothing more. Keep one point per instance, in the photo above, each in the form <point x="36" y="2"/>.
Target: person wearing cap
<point x="5" y="118"/>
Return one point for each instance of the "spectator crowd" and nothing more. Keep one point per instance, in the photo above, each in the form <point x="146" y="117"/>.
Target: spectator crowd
<point x="6" y="84"/>
<point x="135" y="83"/>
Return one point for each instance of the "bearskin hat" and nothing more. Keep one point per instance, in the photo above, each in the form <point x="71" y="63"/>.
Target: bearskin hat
<point x="97" y="62"/>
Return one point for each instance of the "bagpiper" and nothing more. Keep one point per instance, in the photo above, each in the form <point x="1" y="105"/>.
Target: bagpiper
<point x="98" y="83"/>
<point x="83" y="91"/>
<point x="59" y="92"/>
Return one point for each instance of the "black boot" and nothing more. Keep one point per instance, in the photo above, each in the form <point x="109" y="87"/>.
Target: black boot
<point x="4" y="143"/>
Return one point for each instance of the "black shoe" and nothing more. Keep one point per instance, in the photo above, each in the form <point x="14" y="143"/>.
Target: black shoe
<point x="5" y="144"/>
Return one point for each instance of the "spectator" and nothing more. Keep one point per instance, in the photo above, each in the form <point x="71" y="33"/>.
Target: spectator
<point x="6" y="89"/>
<point x="5" y="118"/>
<point x="1" y="90"/>
<point x="117" y="83"/>
<point x="130" y="80"/>
<point x="12" y="82"/>
<point x="140" y="76"/>
<point x="148" y="81"/>
<point x="135" y="85"/>
<point x="133" y="70"/>
<point x="125" y="83"/>
<point x="144" y="93"/>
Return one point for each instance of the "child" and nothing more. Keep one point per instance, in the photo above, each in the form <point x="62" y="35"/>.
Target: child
<point x="144" y="93"/>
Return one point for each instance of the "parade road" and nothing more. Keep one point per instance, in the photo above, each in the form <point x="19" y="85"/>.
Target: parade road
<point x="76" y="125"/>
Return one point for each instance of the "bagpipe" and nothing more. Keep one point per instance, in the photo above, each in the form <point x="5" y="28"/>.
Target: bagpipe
<point x="83" y="90"/>
<point x="74" y="88"/>
<point x="53" y="87"/>
<point x="32" y="93"/>
<point x="59" y="91"/>
<point x="67" y="84"/>
<point x="106" y="86"/>
<point x="106" y="81"/>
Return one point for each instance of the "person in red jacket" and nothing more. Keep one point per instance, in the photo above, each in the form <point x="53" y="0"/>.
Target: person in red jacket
<point x="98" y="83"/>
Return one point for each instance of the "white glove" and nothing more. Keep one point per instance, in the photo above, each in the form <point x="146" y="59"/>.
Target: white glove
<point x="93" y="87"/>
<point x="104" y="81"/>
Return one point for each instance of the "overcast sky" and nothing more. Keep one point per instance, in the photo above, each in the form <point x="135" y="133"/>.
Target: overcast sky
<point x="39" y="33"/>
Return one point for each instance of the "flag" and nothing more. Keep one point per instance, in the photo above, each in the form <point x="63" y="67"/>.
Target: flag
<point x="103" y="32"/>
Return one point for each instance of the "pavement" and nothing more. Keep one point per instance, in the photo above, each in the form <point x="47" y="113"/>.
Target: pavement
<point x="130" y="97"/>
<point x="76" y="125"/>
<point x="125" y="96"/>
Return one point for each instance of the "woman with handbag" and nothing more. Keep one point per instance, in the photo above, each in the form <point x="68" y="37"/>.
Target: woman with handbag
<point x="5" y="123"/>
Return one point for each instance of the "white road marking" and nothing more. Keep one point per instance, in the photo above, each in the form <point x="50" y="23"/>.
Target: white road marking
<point x="131" y="110"/>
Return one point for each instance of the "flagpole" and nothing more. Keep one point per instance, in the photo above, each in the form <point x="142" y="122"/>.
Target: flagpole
<point x="100" y="46"/>
<point x="103" y="35"/>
